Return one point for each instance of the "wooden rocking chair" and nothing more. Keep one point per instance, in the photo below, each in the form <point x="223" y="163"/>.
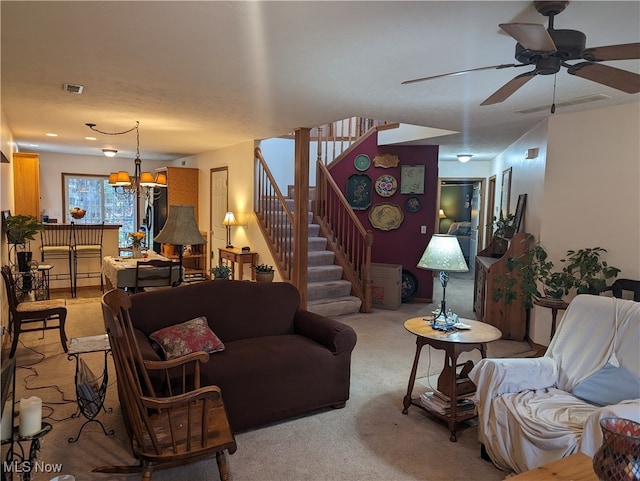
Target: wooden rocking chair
<point x="169" y="431"/>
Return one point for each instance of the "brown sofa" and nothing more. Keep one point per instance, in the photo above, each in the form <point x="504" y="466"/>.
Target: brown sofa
<point x="279" y="360"/>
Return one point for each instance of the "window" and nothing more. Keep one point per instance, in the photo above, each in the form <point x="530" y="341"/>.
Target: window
<point x="101" y="203"/>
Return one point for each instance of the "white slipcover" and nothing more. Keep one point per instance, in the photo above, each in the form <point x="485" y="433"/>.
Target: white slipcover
<point x="527" y="414"/>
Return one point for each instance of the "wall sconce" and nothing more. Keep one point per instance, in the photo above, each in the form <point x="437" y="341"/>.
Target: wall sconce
<point x="109" y="152"/>
<point x="228" y="221"/>
<point x="464" y="157"/>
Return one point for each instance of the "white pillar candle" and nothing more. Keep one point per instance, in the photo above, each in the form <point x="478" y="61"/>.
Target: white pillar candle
<point x="7" y="422"/>
<point x="30" y="416"/>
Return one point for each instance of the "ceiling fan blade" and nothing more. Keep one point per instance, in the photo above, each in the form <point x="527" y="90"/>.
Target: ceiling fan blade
<point x="531" y="36"/>
<point x="624" y="51"/>
<point x="508" y="89"/>
<point x="461" y="72"/>
<point x="610" y="76"/>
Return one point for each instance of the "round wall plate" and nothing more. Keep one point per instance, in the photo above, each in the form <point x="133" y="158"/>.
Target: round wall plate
<point x="413" y="204"/>
<point x="362" y="162"/>
<point x="410" y="285"/>
<point x="386" y="185"/>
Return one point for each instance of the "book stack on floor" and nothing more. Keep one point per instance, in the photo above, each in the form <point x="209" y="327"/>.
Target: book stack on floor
<point x="441" y="403"/>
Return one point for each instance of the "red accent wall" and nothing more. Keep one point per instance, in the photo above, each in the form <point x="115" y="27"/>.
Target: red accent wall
<point x="406" y="244"/>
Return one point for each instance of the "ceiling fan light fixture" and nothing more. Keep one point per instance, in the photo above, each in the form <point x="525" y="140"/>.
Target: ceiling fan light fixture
<point x="109" y="152"/>
<point x="464" y="158"/>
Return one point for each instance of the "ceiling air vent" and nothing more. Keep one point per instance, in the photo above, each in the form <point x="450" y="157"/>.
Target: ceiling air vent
<point x="73" y="88"/>
<point x="566" y="103"/>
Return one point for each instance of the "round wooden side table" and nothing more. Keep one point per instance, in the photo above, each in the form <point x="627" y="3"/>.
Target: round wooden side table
<point x="453" y="343"/>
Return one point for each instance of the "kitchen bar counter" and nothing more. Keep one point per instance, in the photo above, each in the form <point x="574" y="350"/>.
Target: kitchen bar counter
<point x="109" y="248"/>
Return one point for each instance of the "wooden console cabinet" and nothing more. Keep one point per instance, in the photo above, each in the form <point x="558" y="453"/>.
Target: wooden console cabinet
<point x="491" y="264"/>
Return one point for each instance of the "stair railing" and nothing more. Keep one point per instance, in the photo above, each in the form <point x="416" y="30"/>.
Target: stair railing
<point x="274" y="218"/>
<point x="346" y="235"/>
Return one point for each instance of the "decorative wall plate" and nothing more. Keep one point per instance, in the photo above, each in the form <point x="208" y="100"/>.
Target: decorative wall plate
<point x="412" y="204"/>
<point x="386" y="161"/>
<point x="386" y="216"/>
<point x="359" y="191"/>
<point x="362" y="162"/>
<point x="410" y="285"/>
<point x="386" y="185"/>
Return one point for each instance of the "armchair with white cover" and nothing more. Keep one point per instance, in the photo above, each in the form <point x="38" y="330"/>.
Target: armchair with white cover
<point x="534" y="411"/>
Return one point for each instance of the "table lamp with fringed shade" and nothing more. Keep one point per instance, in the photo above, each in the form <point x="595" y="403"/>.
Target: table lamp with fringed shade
<point x="443" y="254"/>
<point x="180" y="230"/>
<point x="228" y="221"/>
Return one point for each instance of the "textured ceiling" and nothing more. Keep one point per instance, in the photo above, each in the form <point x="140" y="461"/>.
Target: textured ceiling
<point x="200" y="76"/>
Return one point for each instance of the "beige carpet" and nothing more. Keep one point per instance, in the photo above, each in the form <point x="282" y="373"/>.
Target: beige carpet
<point x="370" y="439"/>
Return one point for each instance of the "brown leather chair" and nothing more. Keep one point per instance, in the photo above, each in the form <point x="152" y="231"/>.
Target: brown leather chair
<point x="189" y="425"/>
<point x="40" y="312"/>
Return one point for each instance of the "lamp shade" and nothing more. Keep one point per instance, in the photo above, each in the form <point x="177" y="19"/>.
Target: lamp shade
<point x="123" y="178"/>
<point x="229" y="219"/>
<point x="443" y="254"/>
<point x="147" y="180"/>
<point x="441" y="214"/>
<point x="161" y="179"/>
<point x="181" y="227"/>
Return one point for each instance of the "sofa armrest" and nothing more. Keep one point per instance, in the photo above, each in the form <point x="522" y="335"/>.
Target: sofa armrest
<point x="334" y="335"/>
<point x="591" y="438"/>
<point x="494" y="377"/>
<point x="147" y="351"/>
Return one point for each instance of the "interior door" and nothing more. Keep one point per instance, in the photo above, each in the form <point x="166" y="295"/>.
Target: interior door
<point x="219" y="207"/>
<point x="475" y="223"/>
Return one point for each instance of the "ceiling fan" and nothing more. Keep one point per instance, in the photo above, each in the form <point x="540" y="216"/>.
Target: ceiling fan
<point x="548" y="50"/>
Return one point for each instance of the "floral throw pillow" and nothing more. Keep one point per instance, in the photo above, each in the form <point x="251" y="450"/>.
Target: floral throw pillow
<point x="190" y="336"/>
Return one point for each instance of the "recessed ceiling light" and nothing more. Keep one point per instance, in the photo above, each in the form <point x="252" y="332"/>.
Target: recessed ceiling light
<point x="52" y="135"/>
<point x="89" y="138"/>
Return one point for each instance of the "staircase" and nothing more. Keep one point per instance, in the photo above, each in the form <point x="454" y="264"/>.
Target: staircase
<point x="328" y="294"/>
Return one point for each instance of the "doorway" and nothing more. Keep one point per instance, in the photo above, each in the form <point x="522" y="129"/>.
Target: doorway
<point x="462" y="200"/>
<point x="219" y="207"/>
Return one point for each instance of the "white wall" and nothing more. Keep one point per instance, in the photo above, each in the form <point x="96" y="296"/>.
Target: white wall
<point x="240" y="162"/>
<point x="582" y="189"/>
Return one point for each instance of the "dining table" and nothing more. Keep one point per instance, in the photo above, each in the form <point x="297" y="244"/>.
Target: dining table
<point x="120" y="271"/>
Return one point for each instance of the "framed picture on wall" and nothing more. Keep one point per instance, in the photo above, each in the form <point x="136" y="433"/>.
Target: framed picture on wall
<point x="522" y="202"/>
<point x="505" y="192"/>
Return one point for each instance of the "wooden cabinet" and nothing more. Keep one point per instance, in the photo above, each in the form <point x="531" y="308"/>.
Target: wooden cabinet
<point x="194" y="260"/>
<point x="182" y="189"/>
<point x="491" y="264"/>
<point x="26" y="184"/>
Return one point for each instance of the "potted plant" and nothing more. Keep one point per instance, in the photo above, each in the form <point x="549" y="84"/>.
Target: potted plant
<point x="19" y="229"/>
<point x="264" y="273"/>
<point x="505" y="226"/>
<point x="589" y="272"/>
<point x="221" y="272"/>
<point x="532" y="269"/>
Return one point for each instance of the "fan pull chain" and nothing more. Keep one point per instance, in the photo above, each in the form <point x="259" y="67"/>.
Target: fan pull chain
<point x="553" y="103"/>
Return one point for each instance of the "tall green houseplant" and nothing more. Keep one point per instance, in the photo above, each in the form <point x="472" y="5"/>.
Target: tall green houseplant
<point x="589" y="272"/>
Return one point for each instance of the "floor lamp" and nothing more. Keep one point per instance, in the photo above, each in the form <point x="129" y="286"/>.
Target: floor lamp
<point x="180" y="230"/>
<point x="443" y="254"/>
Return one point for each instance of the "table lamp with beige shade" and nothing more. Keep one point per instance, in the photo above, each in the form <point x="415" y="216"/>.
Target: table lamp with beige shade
<point x="443" y="254"/>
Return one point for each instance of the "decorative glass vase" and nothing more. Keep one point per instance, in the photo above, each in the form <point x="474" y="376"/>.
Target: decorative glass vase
<point x="618" y="459"/>
<point x="137" y="251"/>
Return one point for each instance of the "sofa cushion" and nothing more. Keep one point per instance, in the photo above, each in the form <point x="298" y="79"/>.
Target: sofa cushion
<point x="460" y="228"/>
<point x="187" y="337"/>
<point x="609" y="385"/>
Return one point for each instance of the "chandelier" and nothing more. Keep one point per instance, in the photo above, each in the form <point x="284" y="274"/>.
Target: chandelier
<point x="141" y="184"/>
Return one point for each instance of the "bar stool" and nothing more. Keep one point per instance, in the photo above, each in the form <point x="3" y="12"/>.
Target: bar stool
<point x="87" y="244"/>
<point x="55" y="243"/>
